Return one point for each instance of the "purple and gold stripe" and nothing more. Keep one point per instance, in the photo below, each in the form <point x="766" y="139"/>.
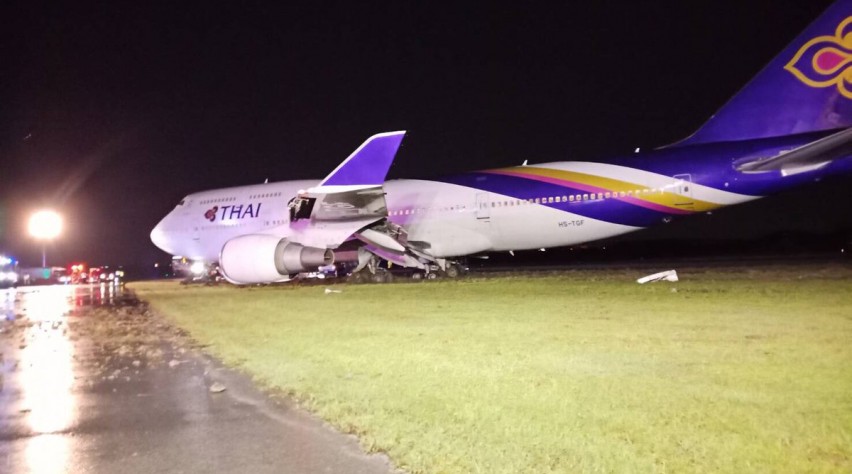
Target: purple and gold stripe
<point x="654" y="199"/>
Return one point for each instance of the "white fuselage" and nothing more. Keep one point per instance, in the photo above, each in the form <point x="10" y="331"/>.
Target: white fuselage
<point x="450" y="220"/>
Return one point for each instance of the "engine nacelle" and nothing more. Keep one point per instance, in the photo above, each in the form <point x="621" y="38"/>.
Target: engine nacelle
<point x="258" y="258"/>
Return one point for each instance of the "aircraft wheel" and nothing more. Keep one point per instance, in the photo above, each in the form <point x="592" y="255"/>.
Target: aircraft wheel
<point x="432" y="276"/>
<point x="417" y="276"/>
<point x="359" y="277"/>
<point x="452" y="271"/>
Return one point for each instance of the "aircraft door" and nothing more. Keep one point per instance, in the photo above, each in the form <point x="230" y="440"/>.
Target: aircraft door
<point x="186" y="215"/>
<point x="482" y="209"/>
<point x="683" y="189"/>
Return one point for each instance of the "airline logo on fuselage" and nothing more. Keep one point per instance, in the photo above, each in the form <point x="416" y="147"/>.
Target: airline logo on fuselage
<point x="825" y="60"/>
<point x="234" y="212"/>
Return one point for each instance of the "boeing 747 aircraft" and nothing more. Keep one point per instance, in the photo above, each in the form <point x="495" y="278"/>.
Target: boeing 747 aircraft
<point x="789" y="126"/>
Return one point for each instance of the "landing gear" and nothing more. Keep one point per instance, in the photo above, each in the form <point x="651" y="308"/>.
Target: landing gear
<point x="450" y="270"/>
<point x="364" y="276"/>
<point x="371" y="272"/>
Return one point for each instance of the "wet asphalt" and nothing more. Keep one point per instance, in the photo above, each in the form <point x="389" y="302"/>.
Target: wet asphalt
<point x="86" y="388"/>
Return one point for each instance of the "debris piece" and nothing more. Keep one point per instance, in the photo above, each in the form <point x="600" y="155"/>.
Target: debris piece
<point x="217" y="387"/>
<point x="329" y="291"/>
<point x="668" y="275"/>
<point x="136" y="363"/>
<point x="174" y="363"/>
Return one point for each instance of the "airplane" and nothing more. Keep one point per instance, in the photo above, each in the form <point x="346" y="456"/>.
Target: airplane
<point x="790" y="125"/>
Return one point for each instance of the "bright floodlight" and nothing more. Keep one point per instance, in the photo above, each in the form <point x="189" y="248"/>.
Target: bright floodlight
<point x="45" y="225"/>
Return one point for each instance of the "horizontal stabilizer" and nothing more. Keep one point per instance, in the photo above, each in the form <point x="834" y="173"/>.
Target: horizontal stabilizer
<point x="805" y="158"/>
<point x="368" y="165"/>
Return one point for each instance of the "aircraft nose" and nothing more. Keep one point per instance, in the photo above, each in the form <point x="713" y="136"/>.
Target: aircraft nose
<point x="159" y="237"/>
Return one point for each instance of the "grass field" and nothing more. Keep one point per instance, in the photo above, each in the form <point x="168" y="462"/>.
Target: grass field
<point x="724" y="371"/>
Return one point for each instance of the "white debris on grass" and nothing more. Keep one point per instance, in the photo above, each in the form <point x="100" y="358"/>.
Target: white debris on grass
<point x="668" y="275"/>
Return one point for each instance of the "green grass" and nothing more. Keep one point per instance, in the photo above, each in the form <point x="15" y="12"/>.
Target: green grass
<point x="578" y="372"/>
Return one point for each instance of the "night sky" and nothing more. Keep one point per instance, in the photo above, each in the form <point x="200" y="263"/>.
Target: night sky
<point x="112" y="114"/>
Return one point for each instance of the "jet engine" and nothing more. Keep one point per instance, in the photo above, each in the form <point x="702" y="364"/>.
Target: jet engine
<point x="258" y="258"/>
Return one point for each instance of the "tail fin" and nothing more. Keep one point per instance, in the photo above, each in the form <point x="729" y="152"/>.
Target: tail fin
<point x="806" y="88"/>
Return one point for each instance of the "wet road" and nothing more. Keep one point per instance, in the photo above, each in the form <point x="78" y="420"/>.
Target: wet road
<point x="109" y="391"/>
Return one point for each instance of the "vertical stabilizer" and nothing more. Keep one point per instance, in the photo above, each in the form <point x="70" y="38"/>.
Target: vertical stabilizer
<point x="806" y="88"/>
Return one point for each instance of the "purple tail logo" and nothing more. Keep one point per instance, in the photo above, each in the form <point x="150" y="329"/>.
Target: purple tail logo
<point x="210" y="215"/>
<point x="825" y="60"/>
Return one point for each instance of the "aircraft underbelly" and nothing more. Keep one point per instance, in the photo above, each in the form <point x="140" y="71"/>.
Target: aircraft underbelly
<point x="519" y="228"/>
<point x="449" y="236"/>
<point x="533" y="227"/>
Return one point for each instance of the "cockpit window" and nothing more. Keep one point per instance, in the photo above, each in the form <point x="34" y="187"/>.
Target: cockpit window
<point x="181" y="202"/>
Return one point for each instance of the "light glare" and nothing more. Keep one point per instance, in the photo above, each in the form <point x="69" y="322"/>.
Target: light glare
<point x="45" y="225"/>
<point x="197" y="268"/>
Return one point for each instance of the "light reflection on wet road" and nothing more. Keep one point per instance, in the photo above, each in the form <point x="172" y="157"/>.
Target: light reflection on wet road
<point x="67" y="404"/>
<point x="37" y="393"/>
